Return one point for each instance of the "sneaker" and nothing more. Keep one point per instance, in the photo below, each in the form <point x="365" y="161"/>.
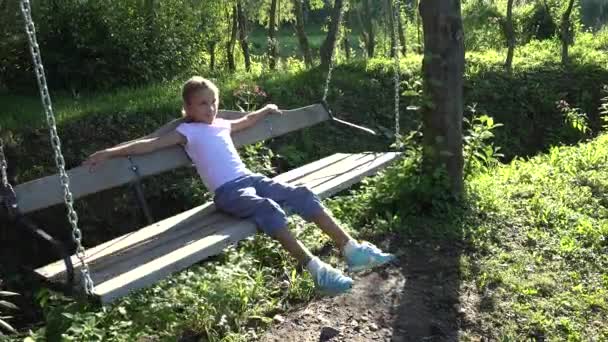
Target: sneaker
<point x="365" y="256"/>
<point x="330" y="281"/>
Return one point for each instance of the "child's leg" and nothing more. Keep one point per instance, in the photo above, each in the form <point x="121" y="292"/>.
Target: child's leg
<point x="243" y="201"/>
<point x="295" y="248"/>
<point x="359" y="256"/>
<point x="326" y="222"/>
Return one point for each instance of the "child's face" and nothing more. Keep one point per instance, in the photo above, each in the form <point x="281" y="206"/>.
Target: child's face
<point x="203" y="106"/>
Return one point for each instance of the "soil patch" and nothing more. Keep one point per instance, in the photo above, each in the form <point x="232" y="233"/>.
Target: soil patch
<point x="417" y="299"/>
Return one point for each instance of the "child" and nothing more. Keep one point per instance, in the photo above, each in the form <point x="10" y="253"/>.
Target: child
<point x="239" y="192"/>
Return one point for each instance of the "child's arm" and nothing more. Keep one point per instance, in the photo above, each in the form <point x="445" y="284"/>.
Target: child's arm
<point x="253" y="117"/>
<point x="139" y="146"/>
<point x="166" y="128"/>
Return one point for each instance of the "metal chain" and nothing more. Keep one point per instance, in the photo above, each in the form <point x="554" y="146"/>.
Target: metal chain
<point x="56" y="143"/>
<point x="397" y="17"/>
<point x="3" y="165"/>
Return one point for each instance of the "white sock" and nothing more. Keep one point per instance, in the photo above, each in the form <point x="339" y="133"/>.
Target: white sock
<point x="350" y="247"/>
<point x="314" y="265"/>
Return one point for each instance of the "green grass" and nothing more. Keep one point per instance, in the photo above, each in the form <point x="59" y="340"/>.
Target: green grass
<point x="542" y="258"/>
<point x="537" y="256"/>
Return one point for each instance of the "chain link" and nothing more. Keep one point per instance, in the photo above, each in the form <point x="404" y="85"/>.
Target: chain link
<point x="397" y="18"/>
<point x="396" y="77"/>
<point x="56" y="143"/>
<point x="3" y="165"/>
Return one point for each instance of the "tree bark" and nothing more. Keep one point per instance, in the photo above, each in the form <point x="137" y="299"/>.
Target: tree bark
<point x="418" y="26"/>
<point x="369" y="36"/>
<point x="443" y="68"/>
<point x="230" y="44"/>
<point x="272" y="38"/>
<point x="329" y="44"/>
<point x="301" y="33"/>
<point x="401" y="33"/>
<point x="391" y="25"/>
<point x="510" y="34"/>
<point x="243" y="34"/>
<point x="566" y="33"/>
<point x="211" y="48"/>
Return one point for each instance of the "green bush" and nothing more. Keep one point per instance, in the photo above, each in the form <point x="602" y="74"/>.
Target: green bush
<point x="102" y="44"/>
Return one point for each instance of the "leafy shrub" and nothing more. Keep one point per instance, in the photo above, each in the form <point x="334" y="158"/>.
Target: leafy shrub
<point x="101" y="44"/>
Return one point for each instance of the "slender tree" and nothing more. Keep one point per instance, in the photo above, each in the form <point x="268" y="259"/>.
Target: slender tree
<point x="345" y="40"/>
<point x="301" y="33"/>
<point x="242" y="23"/>
<point x="366" y="20"/>
<point x="272" y="37"/>
<point x="332" y="34"/>
<point x="443" y="68"/>
<point x="402" y="33"/>
<point x="390" y="18"/>
<point x="566" y="32"/>
<point x="418" y="27"/>
<point x="510" y="35"/>
<point x="232" y="42"/>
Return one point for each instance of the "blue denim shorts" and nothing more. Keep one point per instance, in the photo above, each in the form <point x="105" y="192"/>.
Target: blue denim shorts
<point x="261" y="199"/>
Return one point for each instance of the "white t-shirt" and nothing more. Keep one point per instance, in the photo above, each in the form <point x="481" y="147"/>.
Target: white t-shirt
<point x="211" y="149"/>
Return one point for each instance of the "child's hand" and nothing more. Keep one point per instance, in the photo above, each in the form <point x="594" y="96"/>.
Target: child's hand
<point x="95" y="159"/>
<point x="272" y="109"/>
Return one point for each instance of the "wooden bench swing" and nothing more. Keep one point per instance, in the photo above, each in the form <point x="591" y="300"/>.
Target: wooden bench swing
<point x="141" y="258"/>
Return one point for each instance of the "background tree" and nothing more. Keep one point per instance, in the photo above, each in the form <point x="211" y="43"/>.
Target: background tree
<point x="510" y="35"/>
<point x="390" y="27"/>
<point x="566" y="33"/>
<point x="213" y="27"/>
<point x="402" y="34"/>
<point x="332" y="34"/>
<point x="242" y="24"/>
<point x="232" y="17"/>
<point x="301" y="33"/>
<point x="366" y="21"/>
<point x="273" y="43"/>
<point x="443" y="68"/>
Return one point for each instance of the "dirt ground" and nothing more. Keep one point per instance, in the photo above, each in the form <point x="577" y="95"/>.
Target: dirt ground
<point x="420" y="298"/>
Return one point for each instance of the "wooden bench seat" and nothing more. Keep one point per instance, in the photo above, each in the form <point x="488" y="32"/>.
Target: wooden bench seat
<point x="141" y="258"/>
<point x="45" y="192"/>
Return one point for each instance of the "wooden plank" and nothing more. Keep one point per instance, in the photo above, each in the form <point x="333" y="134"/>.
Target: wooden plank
<point x="150" y="236"/>
<point x="177" y="260"/>
<point x="176" y="255"/>
<point x="45" y="192"/>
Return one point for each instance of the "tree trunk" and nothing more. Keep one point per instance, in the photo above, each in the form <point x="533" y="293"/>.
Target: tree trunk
<point x="329" y="44"/>
<point x="418" y="26"/>
<point x="401" y="33"/>
<point x="510" y="34"/>
<point x="301" y="33"/>
<point x="566" y="33"/>
<point x="369" y="36"/>
<point x="232" y="41"/>
<point x="345" y="41"/>
<point x="211" y="47"/>
<point x="272" y="39"/>
<point x="443" y="68"/>
<point x="243" y="34"/>
<point x="391" y="26"/>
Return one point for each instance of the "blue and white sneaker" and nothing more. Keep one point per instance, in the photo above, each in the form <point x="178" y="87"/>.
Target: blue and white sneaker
<point x="330" y="281"/>
<point x="364" y="256"/>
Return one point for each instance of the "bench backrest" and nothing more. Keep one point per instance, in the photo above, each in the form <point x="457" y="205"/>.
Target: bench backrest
<point x="45" y="192"/>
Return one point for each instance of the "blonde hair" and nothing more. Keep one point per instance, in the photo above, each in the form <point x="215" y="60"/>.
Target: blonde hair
<point x="194" y="84"/>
